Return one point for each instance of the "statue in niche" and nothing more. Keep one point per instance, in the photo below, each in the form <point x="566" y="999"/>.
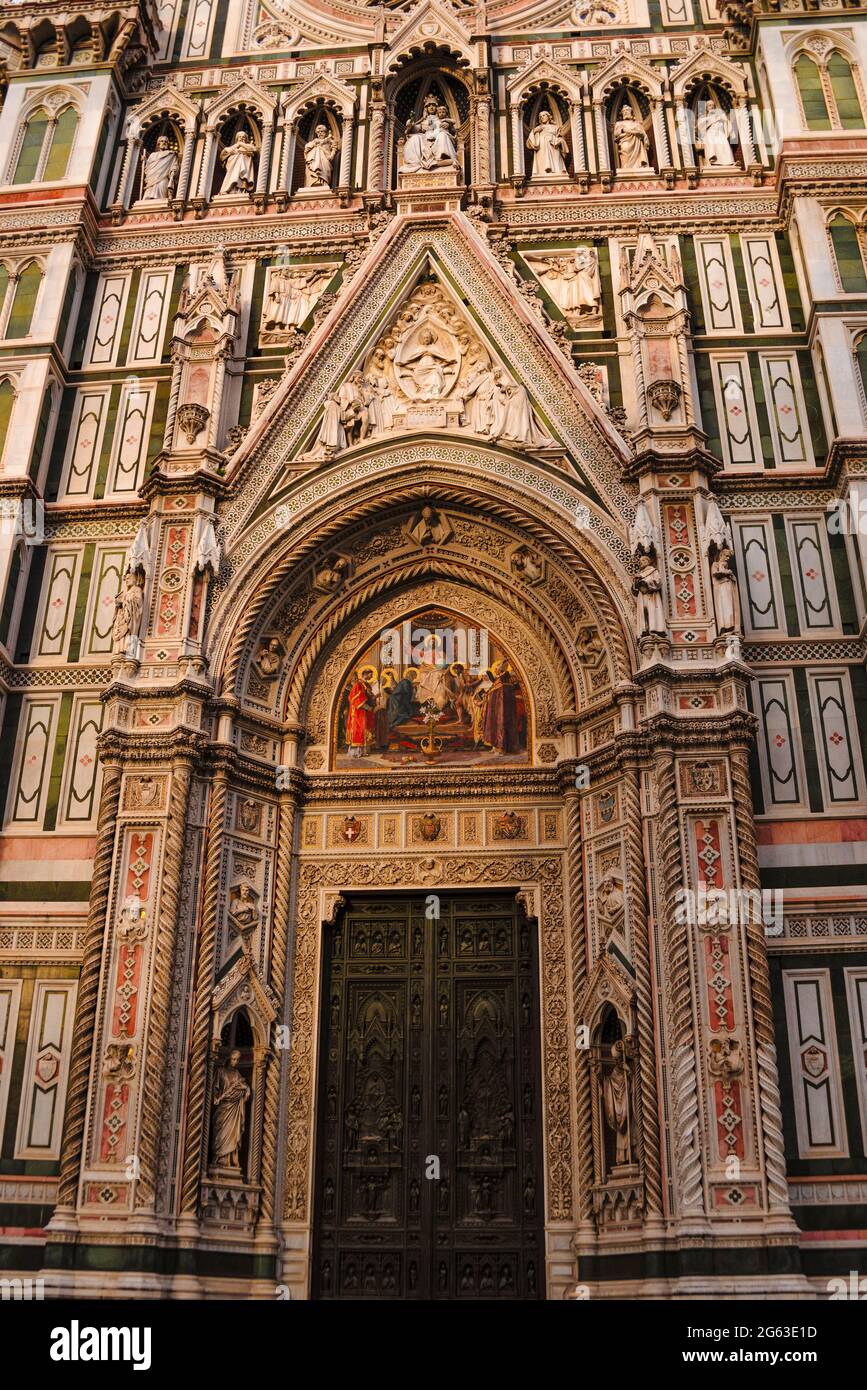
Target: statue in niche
<point x="725" y="590"/>
<point x="631" y="144"/>
<point x="292" y="292"/>
<point x="161" y="169"/>
<point x="712" y="136"/>
<point x="238" y="161"/>
<point x="572" y="280"/>
<point x="615" y="1102"/>
<point x="244" y="914"/>
<point x="231" y="1094"/>
<point x="549" y="148"/>
<point x="128" y="609"/>
<point x="610" y="905"/>
<point x="319" y="155"/>
<point x="430" y="140"/>
<point x="647" y="584"/>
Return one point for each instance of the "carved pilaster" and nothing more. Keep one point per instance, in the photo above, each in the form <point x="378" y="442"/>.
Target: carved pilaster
<point x="88" y="994"/>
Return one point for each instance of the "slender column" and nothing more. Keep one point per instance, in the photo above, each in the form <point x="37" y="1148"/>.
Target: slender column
<point x="745" y="132"/>
<point x="183" y="187"/>
<point x="641" y="960"/>
<point x="772" y="1142"/>
<point x="84" y="1027"/>
<point x="583" y="1102"/>
<point x="217" y="401"/>
<point x="579" y="153"/>
<point x="518" y="165"/>
<point x="154" y="1062"/>
<point x="196" y="1127"/>
<point x="346" y="143"/>
<point x="686" y="147"/>
<point x="133" y="145"/>
<point x="265" y="160"/>
<point x="602" y="153"/>
<point x="483" y="140"/>
<point x="287" y="160"/>
<point x="661" y="131"/>
<point x="687" y="1136"/>
<point x="375" y="172"/>
<point x="279" y="953"/>
<point x="204" y="172"/>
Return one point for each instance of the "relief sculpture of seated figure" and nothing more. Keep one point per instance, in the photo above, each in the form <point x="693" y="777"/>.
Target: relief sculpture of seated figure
<point x="430" y="141"/>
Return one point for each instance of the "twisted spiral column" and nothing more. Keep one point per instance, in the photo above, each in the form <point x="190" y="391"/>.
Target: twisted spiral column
<point x="154" y="1063"/>
<point x="88" y="993"/>
<point x="377" y="148"/>
<point x="195" y="1131"/>
<point x="760" y="993"/>
<point x="641" y="963"/>
<point x="679" y="993"/>
<point x="579" y="983"/>
<point x="279" y="951"/>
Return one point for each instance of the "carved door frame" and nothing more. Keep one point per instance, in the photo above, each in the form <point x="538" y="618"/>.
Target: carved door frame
<point x="537" y="877"/>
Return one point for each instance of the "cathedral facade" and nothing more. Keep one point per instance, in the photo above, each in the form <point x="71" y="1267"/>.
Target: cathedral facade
<point x="433" y="456"/>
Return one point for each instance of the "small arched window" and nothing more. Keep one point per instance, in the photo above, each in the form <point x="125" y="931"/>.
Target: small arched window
<point x="829" y="92"/>
<point x="849" y="255"/>
<point x="7" y="400"/>
<point x="46" y="146"/>
<point x="861" y="360"/>
<point x="24" y="289"/>
<point x="845" y="92"/>
<point x="812" y="92"/>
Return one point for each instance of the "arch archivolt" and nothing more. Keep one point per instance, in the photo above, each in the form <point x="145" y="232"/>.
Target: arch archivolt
<point x="338" y="507"/>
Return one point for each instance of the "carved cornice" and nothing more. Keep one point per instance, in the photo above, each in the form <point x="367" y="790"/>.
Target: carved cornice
<point x="429" y="784"/>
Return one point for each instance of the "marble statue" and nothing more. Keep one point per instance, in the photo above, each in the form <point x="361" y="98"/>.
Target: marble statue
<point x="615" y="1103"/>
<point x="647" y="584"/>
<point x="244" y="912"/>
<point x="238" y="160"/>
<point x="725" y="591"/>
<point x="319" y="155"/>
<point x="712" y="131"/>
<point x="128" y="608"/>
<point x="630" y="142"/>
<point x="161" y="170"/>
<point x="430" y="140"/>
<point x="548" y="146"/>
<point x="231" y="1094"/>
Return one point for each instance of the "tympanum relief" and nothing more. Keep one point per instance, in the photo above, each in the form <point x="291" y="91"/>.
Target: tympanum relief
<point x="429" y="371"/>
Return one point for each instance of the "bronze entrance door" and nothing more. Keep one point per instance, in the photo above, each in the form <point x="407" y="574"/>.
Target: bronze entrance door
<point x="428" y="1180"/>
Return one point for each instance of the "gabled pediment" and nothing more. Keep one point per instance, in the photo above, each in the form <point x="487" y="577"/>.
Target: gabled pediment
<point x="625" y="68"/>
<point x="609" y="984"/>
<point x="479" y="309"/>
<point x="242" y="987"/>
<point x="167" y="101"/>
<point x="707" y="66"/>
<point x="244" y="93"/>
<point x="543" y="72"/>
<point x="430" y="25"/>
<point x="320" y="87"/>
